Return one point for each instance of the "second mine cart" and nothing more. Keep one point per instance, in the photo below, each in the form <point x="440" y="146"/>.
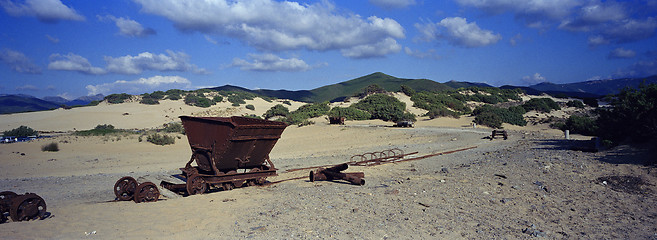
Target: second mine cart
<point x="229" y="151"/>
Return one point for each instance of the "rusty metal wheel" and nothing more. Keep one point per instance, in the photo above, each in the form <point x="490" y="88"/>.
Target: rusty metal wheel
<point x="227" y="186"/>
<point x="256" y="181"/>
<point x="27" y="207"/>
<point x="5" y="201"/>
<point x="146" y="192"/>
<point x="196" y="185"/>
<point x="124" y="188"/>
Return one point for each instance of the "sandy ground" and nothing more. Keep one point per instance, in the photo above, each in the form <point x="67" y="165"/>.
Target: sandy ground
<point x="531" y="185"/>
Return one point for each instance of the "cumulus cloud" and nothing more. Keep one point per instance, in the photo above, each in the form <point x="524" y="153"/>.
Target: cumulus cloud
<point x="457" y="31"/>
<point x="276" y="26"/>
<point x="429" y="54"/>
<point x="593" y="15"/>
<point x="533" y="79"/>
<point x="533" y="12"/>
<point x="270" y="63"/>
<point x="630" y="30"/>
<point x="44" y="10"/>
<point x="641" y="68"/>
<point x="18" y="62"/>
<point x="621" y="53"/>
<point x="171" y="61"/>
<point x="392" y="4"/>
<point x="140" y="85"/>
<point x="128" y="27"/>
<point x="73" y="62"/>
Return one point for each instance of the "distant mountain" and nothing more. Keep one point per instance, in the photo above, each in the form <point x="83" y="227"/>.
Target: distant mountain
<point x="81" y="101"/>
<point x="24" y="103"/>
<point x="597" y="87"/>
<point x="282" y="94"/>
<point x="339" y="91"/>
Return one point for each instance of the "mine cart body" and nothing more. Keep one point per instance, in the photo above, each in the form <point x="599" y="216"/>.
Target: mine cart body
<point x="221" y="146"/>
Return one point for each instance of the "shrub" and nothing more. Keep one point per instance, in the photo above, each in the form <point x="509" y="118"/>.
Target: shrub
<point x="51" y="147"/>
<point x="633" y="116"/>
<point x="581" y="125"/>
<point x="441" y="111"/>
<point x="99" y="130"/>
<point x="117" y="98"/>
<point x="277" y="110"/>
<point x="174" y="94"/>
<point x="175" y="127"/>
<point x="22" y="131"/>
<point x="250" y="107"/>
<point x="541" y="104"/>
<point x="512" y="115"/>
<point x="371" y="89"/>
<point x="575" y="103"/>
<point x="94" y="103"/>
<point x="195" y="100"/>
<point x="217" y="99"/>
<point x="381" y="106"/>
<point x="436" y="102"/>
<point x="158" y="139"/>
<point x="286" y="102"/>
<point x="408" y="91"/>
<point x="591" y="102"/>
<point x="489" y="119"/>
<point x="307" y="111"/>
<point x="349" y="113"/>
<point x="149" y="101"/>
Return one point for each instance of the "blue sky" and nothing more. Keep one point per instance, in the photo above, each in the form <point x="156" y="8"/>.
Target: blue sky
<point x="82" y="47"/>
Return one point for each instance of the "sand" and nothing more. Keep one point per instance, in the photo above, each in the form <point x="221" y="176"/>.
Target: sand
<point x="530" y="185"/>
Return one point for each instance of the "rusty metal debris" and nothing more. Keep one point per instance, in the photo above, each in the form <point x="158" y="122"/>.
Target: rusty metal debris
<point x="377" y="158"/>
<point x="21" y="207"/>
<point x="127" y="188"/>
<point x="229" y="152"/>
<point x="335" y="173"/>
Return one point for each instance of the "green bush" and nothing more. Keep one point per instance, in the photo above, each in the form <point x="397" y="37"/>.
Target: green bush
<point x="581" y="125"/>
<point x="381" y="106"/>
<point x="149" y="101"/>
<point x="94" y="103"/>
<point x="489" y="119"/>
<point x="408" y="91"/>
<point x="51" y="147"/>
<point x="99" y="130"/>
<point x="544" y="105"/>
<point x="22" y="131"/>
<point x="286" y="102"/>
<point x="591" y="102"/>
<point x="371" y="89"/>
<point x="250" y="107"/>
<point x="441" y="111"/>
<point x="117" y="98"/>
<point x="163" y="139"/>
<point x="174" y="94"/>
<point x="307" y="111"/>
<point x="633" y="116"/>
<point x="437" y="102"/>
<point x="349" y="113"/>
<point x="575" y="104"/>
<point x="511" y="115"/>
<point x="195" y="100"/>
<point x="277" y="110"/>
<point x="175" y="127"/>
<point x="217" y="98"/>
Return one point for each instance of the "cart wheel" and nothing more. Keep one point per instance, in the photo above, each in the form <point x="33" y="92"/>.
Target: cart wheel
<point x="196" y="185"/>
<point x="238" y="183"/>
<point x="228" y="186"/>
<point x="124" y="188"/>
<point x="5" y="200"/>
<point x="146" y="192"/>
<point x="260" y="180"/>
<point x="27" y="207"/>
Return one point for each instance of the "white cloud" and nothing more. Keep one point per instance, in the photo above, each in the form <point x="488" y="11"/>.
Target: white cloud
<point x="27" y="87"/>
<point x="533" y="79"/>
<point x="621" y="53"/>
<point x="429" y="54"/>
<point x="642" y="68"/>
<point x="44" y="10"/>
<point x="392" y="4"/>
<point x="592" y="15"/>
<point x="73" y="62"/>
<point x="140" y="85"/>
<point x="533" y="12"/>
<point x="276" y="26"/>
<point x="52" y="39"/>
<point x="459" y="32"/>
<point x="379" y="49"/>
<point x="270" y="63"/>
<point x="597" y="40"/>
<point x="18" y="62"/>
<point x="630" y="30"/>
<point x="128" y="27"/>
<point x="171" y="61"/>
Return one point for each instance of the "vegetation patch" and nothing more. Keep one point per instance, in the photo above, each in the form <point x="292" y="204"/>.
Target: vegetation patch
<point x="161" y="139"/>
<point x="544" y="105"/>
<point x="99" y="130"/>
<point x="117" y="98"/>
<point x="633" y="116"/>
<point x="276" y="110"/>
<point x="384" y="107"/>
<point x="307" y="111"/>
<point x="22" y="131"/>
<point x="440" y="104"/>
<point x="349" y="113"/>
<point x="494" y="116"/>
<point x="51" y="147"/>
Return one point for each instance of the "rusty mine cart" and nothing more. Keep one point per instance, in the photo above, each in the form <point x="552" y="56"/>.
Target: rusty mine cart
<point x="229" y="152"/>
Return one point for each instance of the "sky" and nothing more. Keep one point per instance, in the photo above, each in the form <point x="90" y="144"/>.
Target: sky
<point x="73" y="48"/>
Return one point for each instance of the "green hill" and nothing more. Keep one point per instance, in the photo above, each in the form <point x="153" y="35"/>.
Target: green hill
<point x="339" y="91"/>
